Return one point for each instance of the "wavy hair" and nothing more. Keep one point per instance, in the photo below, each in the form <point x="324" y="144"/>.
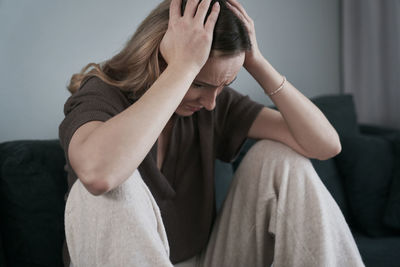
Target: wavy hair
<point x="137" y="66"/>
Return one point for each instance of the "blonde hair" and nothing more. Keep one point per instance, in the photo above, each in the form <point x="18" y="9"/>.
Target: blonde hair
<point x="136" y="67"/>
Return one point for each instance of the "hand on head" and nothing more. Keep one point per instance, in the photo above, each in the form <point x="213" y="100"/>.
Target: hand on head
<point x="187" y="41"/>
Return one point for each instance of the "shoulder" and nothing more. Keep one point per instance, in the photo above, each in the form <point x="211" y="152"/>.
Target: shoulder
<point x="95" y="85"/>
<point x="95" y="92"/>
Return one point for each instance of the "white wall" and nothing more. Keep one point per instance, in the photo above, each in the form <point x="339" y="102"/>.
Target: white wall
<point x="43" y="42"/>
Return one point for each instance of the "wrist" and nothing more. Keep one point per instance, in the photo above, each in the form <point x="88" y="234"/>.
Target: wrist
<point x="187" y="70"/>
<point x="251" y="64"/>
<point x="274" y="91"/>
<point x="266" y="75"/>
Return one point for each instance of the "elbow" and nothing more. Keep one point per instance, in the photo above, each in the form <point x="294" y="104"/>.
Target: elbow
<point x="331" y="152"/>
<point x="96" y="187"/>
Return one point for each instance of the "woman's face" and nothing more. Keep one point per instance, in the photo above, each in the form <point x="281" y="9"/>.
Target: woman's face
<point x="215" y="74"/>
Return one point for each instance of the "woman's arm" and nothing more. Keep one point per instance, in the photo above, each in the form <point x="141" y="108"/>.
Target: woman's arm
<point x="114" y="149"/>
<point x="298" y="123"/>
<point x="111" y="152"/>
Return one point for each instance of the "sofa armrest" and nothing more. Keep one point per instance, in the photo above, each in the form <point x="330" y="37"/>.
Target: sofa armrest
<point x="33" y="184"/>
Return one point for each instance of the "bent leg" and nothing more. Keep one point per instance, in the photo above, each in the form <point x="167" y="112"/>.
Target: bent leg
<point x="278" y="210"/>
<point x="120" y="228"/>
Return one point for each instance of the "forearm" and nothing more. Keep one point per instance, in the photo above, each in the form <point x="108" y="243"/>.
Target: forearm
<point x="117" y="147"/>
<point x="306" y="122"/>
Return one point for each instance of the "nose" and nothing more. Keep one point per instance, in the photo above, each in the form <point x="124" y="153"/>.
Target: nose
<point x="208" y="98"/>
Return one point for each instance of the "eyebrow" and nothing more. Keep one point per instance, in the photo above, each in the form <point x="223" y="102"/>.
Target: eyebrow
<point x="207" y="84"/>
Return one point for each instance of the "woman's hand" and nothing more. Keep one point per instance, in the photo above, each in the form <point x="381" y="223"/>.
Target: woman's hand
<point x="254" y="55"/>
<point x="187" y="41"/>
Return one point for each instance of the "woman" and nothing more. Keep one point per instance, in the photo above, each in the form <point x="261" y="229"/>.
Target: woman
<point x="141" y="135"/>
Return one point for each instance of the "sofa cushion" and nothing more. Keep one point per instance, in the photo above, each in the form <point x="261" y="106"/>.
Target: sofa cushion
<point x="340" y="111"/>
<point x="32" y="189"/>
<point x="366" y="163"/>
<point x="392" y="212"/>
<point x="378" y="252"/>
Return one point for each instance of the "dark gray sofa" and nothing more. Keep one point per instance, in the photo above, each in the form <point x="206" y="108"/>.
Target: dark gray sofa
<point x="33" y="183"/>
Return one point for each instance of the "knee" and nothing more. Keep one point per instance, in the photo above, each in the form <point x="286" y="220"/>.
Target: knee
<point x="274" y="163"/>
<point x="130" y="197"/>
<point x="267" y="150"/>
<point x="269" y="155"/>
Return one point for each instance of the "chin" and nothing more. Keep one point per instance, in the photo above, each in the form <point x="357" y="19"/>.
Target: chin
<point x="183" y="112"/>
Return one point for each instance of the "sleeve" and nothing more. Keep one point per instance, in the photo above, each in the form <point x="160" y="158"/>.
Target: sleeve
<point x="94" y="101"/>
<point x="235" y="113"/>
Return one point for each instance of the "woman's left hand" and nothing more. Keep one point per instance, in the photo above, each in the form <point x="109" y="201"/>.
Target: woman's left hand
<point x="254" y="55"/>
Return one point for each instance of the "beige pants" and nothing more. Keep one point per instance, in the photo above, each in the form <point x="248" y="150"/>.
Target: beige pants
<point x="277" y="211"/>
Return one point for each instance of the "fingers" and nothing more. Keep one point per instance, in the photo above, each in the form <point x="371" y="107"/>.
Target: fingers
<point x="190" y="9"/>
<point x="202" y="11"/>
<point x="212" y="18"/>
<point x="175" y="9"/>
<point x="238" y="9"/>
<point x="237" y="12"/>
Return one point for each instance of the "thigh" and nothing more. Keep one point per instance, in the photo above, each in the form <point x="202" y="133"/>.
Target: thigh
<point x="241" y="234"/>
<point x="120" y="228"/>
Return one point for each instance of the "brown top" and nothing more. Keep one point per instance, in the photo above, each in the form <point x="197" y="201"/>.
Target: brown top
<point x="184" y="188"/>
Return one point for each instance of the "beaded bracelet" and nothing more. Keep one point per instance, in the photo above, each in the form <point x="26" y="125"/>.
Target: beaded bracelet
<point x="280" y="87"/>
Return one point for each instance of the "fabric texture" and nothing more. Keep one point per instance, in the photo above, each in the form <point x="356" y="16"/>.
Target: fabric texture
<point x="366" y="162"/>
<point x="277" y="212"/>
<point x="32" y="227"/>
<point x="184" y="188"/>
<point x="122" y="227"/>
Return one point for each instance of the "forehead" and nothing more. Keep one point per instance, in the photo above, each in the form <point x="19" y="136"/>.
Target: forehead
<point x="218" y="69"/>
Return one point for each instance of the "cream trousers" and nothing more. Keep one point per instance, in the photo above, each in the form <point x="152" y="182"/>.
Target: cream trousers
<point x="277" y="211"/>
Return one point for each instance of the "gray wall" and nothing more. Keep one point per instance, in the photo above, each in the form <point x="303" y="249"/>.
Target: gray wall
<point x="43" y="42"/>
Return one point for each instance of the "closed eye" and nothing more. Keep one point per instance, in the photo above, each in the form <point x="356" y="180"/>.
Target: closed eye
<point x="196" y="85"/>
